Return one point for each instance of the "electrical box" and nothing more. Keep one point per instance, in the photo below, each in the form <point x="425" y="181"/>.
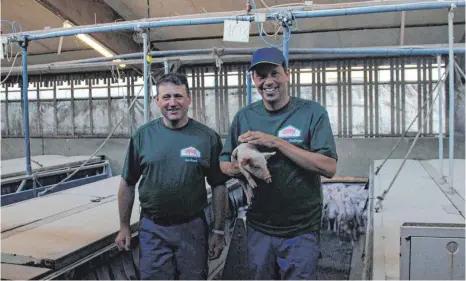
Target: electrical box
<point x="260" y="17"/>
<point x="432" y="251"/>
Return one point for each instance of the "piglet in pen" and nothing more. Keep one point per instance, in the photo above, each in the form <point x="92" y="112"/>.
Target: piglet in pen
<point x="251" y="161"/>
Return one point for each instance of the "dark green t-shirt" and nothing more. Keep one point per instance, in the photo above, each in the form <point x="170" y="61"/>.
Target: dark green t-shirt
<point x="292" y="203"/>
<point x="172" y="165"/>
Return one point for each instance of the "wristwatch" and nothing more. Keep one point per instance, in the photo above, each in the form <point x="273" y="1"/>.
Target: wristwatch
<point x="221" y="232"/>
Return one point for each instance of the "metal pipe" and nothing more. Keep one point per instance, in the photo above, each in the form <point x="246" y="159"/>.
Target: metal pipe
<point x="248" y="51"/>
<point x="21" y="186"/>
<point x="146" y="83"/>
<point x="24" y="47"/>
<point x="460" y="70"/>
<point x="377" y="9"/>
<point x="248" y="87"/>
<point x="286" y="39"/>
<point x="140" y="24"/>
<point x="382" y="51"/>
<point x="165" y="65"/>
<point x="402" y="28"/>
<point x="440" y="129"/>
<point x="97" y="62"/>
<point x="149" y="23"/>
<point x="34" y="185"/>
<point x="451" y="93"/>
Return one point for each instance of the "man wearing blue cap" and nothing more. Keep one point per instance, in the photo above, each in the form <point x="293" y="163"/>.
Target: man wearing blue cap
<point x="284" y="217"/>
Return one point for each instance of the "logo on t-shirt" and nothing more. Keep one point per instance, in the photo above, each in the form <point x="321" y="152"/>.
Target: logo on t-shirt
<point x="190" y="152"/>
<point x="290" y="133"/>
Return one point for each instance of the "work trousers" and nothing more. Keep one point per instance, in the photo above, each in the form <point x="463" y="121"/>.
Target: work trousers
<point x="173" y="252"/>
<point x="276" y="258"/>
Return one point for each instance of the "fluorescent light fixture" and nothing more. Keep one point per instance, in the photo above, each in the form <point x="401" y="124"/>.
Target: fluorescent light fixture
<point x="93" y="44"/>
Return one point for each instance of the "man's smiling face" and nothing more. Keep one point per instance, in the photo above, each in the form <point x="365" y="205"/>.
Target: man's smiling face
<point x="271" y="81"/>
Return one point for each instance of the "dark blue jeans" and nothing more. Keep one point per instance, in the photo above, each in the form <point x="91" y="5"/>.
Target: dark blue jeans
<point x="173" y="252"/>
<point x="272" y="258"/>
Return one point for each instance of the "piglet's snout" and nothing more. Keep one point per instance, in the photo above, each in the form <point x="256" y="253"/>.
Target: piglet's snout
<point x="267" y="176"/>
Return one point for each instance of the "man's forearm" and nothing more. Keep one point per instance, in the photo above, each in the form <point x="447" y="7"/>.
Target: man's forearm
<point x="125" y="202"/>
<point x="219" y="201"/>
<point x="315" y="162"/>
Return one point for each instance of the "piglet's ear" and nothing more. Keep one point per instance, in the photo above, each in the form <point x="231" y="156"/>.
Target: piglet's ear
<point x="245" y="161"/>
<point x="267" y="155"/>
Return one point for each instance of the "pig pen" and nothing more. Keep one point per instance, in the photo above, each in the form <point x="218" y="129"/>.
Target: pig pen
<point x="340" y="260"/>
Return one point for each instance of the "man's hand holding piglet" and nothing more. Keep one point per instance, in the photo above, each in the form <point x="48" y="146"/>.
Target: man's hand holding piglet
<point x="259" y="138"/>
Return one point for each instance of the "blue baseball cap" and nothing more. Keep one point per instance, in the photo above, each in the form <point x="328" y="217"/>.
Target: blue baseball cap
<point x="267" y="55"/>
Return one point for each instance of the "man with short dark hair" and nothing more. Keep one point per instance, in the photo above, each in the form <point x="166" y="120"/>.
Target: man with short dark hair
<point x="172" y="156"/>
<point x="283" y="220"/>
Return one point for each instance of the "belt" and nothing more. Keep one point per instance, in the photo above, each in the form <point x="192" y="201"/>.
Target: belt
<point x="173" y="220"/>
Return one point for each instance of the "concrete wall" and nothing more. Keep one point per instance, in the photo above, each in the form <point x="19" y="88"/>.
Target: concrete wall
<point x="355" y="155"/>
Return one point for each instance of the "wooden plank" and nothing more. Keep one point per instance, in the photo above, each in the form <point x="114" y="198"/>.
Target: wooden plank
<point x="103" y="188"/>
<point x="22" y="272"/>
<point x="66" y="236"/>
<point x="33" y="210"/>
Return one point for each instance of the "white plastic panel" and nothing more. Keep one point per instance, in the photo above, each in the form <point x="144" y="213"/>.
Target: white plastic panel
<point x="431" y="258"/>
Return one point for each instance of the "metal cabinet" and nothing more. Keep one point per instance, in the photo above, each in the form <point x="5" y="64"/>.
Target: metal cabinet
<point x="432" y="251"/>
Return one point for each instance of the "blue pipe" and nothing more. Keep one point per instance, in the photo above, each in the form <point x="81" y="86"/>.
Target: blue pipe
<point x="146" y="81"/>
<point x="134" y="25"/>
<point x="440" y="118"/>
<point x="248" y="87"/>
<point x="451" y="94"/>
<point x="286" y="39"/>
<point x="219" y="20"/>
<point x="377" y="9"/>
<point x="386" y="51"/>
<point x="230" y="51"/>
<point x="249" y="51"/>
<point x="24" y="47"/>
<point x="165" y="66"/>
